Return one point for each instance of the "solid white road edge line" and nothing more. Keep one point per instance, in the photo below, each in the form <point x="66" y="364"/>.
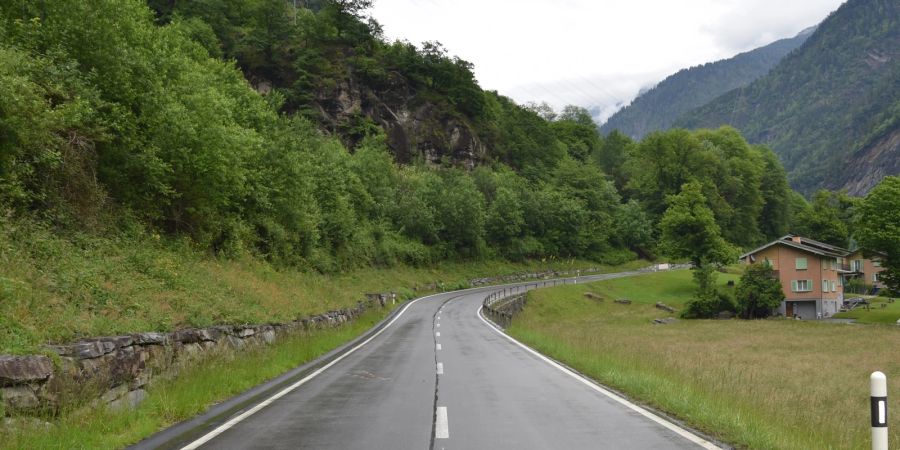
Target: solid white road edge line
<point x="440" y="368"/>
<point x="237" y="419"/>
<point x="591" y="384"/>
<point x="441" y="425"/>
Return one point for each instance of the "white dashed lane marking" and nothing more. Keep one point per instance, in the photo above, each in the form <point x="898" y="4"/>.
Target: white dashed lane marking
<point x="441" y="425"/>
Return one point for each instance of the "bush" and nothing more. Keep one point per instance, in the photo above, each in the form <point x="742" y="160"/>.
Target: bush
<point x="708" y="306"/>
<point x="759" y="292"/>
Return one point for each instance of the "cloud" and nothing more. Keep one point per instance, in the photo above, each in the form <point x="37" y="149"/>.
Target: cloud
<point x="745" y="25"/>
<point x="603" y="94"/>
<point x="596" y="54"/>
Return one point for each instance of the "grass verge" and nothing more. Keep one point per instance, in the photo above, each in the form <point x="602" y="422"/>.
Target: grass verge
<point x="57" y="288"/>
<point x="169" y="401"/>
<point x="881" y="310"/>
<point x="771" y="384"/>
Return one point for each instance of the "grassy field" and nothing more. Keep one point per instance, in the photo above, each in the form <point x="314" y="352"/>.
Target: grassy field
<point x="55" y="289"/>
<point x="881" y="310"/>
<point x="772" y="384"/>
<point x="170" y="401"/>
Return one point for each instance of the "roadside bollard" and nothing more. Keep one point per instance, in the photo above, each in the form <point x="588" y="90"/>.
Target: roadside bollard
<point x="879" y="411"/>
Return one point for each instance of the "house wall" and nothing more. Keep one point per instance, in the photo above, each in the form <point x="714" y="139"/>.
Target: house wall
<point x="784" y="260"/>
<point x="869" y="269"/>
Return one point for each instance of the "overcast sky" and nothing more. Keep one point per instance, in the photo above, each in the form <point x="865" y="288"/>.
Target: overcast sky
<point x="593" y="53"/>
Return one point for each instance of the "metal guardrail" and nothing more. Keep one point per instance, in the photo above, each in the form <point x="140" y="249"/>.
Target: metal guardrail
<point x="502" y="305"/>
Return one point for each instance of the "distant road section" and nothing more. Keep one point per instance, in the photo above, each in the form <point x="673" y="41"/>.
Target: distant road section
<point x="436" y="376"/>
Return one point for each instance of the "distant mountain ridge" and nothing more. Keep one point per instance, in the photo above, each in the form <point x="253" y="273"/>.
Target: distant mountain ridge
<point x="657" y="108"/>
<point x="830" y="110"/>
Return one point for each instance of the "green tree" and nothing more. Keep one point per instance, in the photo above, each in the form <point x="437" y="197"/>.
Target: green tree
<point x="505" y="220"/>
<point x="689" y="231"/>
<point x="634" y="229"/>
<point x="826" y="219"/>
<point x="878" y="228"/>
<point x="774" y="219"/>
<point x="759" y="292"/>
<point x="612" y="155"/>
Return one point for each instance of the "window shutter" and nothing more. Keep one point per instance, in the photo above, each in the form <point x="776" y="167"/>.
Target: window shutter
<point x="794" y="286"/>
<point x="809" y="285"/>
<point x="801" y="263"/>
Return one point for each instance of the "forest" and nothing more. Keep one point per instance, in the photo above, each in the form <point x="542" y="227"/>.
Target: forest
<point x="827" y="108"/>
<point x="116" y="115"/>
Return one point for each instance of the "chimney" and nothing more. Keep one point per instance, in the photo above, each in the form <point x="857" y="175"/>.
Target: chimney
<point x="796" y="239"/>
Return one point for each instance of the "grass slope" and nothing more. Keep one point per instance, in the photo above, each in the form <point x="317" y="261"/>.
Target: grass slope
<point x="774" y="384"/>
<point x="57" y="289"/>
<point x="880" y="311"/>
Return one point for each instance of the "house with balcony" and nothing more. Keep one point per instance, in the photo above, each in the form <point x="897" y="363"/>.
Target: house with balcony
<point x="812" y="274"/>
<point x="865" y="271"/>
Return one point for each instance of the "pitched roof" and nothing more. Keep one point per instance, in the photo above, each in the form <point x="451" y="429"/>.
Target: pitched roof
<point x="805" y="244"/>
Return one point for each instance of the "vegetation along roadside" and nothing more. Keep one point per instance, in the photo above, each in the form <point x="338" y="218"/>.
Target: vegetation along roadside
<point x="762" y="384"/>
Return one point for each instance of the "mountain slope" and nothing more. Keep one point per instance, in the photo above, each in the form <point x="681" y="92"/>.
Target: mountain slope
<point x="831" y="110"/>
<point x="690" y="88"/>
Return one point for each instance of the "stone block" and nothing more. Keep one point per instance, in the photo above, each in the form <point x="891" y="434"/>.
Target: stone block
<point x="117" y="341"/>
<point x="130" y="400"/>
<point x="114" y="393"/>
<point x="191" y="350"/>
<point x="24" y="369"/>
<point x="151" y="338"/>
<point x="19" y="398"/>
<point x="246" y="332"/>
<point x="84" y="349"/>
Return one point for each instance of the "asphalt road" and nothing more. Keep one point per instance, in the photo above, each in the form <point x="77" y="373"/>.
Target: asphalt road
<point x="437" y="376"/>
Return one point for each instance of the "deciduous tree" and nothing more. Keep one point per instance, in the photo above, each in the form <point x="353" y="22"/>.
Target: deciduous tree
<point x="759" y="292"/>
<point x="878" y="228"/>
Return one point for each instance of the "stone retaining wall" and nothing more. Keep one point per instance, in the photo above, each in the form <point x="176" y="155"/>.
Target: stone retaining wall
<point x="116" y="369"/>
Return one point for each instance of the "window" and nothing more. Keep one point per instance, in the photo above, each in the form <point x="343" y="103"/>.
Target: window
<point x="874" y="277"/>
<point x="824" y="285"/>
<point x="833" y="286"/>
<point x="801" y="263"/>
<point x="801" y="285"/>
<point x="876" y="262"/>
<point x="768" y="263"/>
<point x="856" y="265"/>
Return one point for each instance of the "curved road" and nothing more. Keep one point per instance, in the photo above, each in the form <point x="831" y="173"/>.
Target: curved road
<point x="436" y="376"/>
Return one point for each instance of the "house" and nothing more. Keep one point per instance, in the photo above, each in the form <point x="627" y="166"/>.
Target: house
<point x="811" y="274"/>
<point x="866" y="271"/>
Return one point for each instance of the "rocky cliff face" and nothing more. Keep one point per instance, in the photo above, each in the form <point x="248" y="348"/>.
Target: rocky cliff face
<point x="866" y="167"/>
<point x="415" y="129"/>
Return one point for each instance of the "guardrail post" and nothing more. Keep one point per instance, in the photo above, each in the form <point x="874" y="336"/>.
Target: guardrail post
<point x="878" y="385"/>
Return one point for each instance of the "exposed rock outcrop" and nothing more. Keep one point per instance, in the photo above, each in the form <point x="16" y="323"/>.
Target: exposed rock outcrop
<point x="864" y="169"/>
<point x="415" y="129"/>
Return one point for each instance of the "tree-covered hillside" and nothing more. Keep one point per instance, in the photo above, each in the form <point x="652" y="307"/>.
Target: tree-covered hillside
<point x="121" y="118"/>
<point x="830" y="110"/>
<point x="658" y="108"/>
<point x="331" y="65"/>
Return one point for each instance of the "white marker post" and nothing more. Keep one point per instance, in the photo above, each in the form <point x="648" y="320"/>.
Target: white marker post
<point x="879" y="411"/>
